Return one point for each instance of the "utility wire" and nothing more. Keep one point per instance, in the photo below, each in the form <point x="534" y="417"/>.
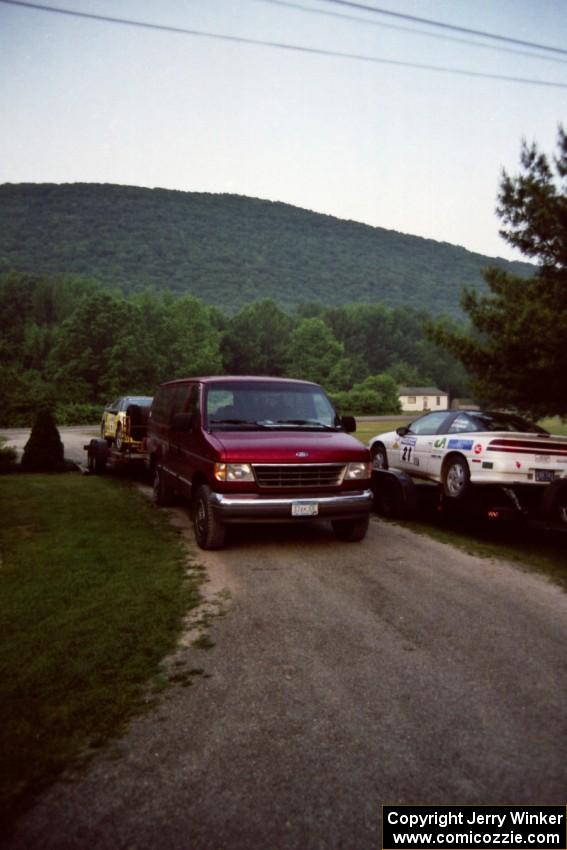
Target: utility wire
<point x="344" y="16"/>
<point x="442" y="25"/>
<point x="282" y="46"/>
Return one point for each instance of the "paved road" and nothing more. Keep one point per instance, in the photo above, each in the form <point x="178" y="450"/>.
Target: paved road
<point x="342" y="677"/>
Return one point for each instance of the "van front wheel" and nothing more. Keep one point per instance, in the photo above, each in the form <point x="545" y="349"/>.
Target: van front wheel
<point x="209" y="529"/>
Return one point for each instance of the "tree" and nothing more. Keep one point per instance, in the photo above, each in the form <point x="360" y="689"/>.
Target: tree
<point x="194" y="343"/>
<point x="377" y="394"/>
<point x="256" y="340"/>
<point x="87" y="359"/>
<point x="314" y="353"/>
<point x="516" y="349"/>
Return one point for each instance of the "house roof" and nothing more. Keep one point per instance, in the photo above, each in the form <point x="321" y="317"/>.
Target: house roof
<point x="421" y="391"/>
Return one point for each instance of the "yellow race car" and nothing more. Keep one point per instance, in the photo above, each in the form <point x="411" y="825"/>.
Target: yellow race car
<point x="124" y="422"/>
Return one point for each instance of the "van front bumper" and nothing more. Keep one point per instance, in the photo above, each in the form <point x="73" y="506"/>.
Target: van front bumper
<point x="255" y="508"/>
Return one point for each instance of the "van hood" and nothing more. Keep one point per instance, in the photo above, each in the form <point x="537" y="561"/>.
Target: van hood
<point x="290" y="447"/>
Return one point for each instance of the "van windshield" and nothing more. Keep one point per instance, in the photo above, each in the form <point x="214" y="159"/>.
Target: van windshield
<point x="268" y="405"/>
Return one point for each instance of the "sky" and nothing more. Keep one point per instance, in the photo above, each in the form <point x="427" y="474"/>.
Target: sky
<point x="407" y="148"/>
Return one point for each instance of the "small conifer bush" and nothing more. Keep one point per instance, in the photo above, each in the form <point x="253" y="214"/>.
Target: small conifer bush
<point x="44" y="450"/>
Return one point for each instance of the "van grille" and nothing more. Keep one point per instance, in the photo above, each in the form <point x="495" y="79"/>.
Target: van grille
<point x="299" y="474"/>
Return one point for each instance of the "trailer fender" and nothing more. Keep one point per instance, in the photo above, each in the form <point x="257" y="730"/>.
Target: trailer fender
<point x="394" y="491"/>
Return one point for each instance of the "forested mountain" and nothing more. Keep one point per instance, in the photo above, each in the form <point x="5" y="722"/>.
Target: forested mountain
<point x="227" y="250"/>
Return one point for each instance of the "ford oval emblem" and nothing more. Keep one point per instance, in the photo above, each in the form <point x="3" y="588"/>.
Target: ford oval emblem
<point x="302" y="454"/>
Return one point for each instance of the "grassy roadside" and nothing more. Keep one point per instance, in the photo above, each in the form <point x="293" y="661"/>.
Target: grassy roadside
<point x="366" y="429"/>
<point x="92" y="597"/>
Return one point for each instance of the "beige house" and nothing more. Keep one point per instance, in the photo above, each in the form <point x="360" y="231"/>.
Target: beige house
<point x="418" y="399"/>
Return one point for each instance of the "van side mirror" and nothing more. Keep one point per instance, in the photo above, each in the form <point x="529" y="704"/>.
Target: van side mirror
<point x="348" y="424"/>
<point x="183" y="422"/>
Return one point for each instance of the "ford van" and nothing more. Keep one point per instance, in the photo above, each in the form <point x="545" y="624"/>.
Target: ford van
<point x="257" y="449"/>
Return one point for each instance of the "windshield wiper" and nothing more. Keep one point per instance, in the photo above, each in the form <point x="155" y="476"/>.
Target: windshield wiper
<point x="306" y="423"/>
<point x="236" y="422"/>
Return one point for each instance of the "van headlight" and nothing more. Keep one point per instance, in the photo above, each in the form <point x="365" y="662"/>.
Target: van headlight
<point x="356" y="471"/>
<point x="233" y="472"/>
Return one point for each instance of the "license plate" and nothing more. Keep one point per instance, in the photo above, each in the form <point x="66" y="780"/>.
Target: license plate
<point x="544" y="475"/>
<point x="304" y="509"/>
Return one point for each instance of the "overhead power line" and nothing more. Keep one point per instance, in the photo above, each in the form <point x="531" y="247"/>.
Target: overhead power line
<point x="288" y="4"/>
<point x="316" y="51"/>
<point x="417" y="20"/>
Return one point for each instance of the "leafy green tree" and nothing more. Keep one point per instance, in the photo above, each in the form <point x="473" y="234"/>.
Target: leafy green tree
<point x="516" y="350"/>
<point x="376" y="395"/>
<point x="31" y="307"/>
<point x="89" y="361"/>
<point x="194" y="342"/>
<point x="406" y="375"/>
<point x="255" y="340"/>
<point x="313" y="351"/>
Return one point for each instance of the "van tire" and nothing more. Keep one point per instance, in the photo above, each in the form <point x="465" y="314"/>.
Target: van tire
<point x="210" y="531"/>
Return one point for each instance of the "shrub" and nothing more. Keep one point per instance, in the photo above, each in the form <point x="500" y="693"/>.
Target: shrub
<point x="376" y="395"/>
<point x="44" y="450"/>
<point x="76" y="413"/>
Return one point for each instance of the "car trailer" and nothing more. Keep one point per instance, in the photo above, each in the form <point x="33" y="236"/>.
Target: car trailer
<point x="399" y="496"/>
<point x="100" y="454"/>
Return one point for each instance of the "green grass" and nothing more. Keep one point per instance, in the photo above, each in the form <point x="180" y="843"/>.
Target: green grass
<point x="92" y="596"/>
<point x="555" y="425"/>
<point x="367" y="429"/>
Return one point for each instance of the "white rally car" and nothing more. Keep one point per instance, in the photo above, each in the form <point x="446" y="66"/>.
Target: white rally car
<point x="460" y="448"/>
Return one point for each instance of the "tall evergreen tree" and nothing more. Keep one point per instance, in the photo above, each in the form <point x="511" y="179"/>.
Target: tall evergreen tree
<point x="517" y="351"/>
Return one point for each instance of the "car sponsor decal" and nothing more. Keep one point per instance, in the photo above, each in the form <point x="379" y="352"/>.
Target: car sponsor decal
<point x="409" y="441"/>
<point x="486" y="464"/>
<point x="440" y="443"/>
<point x="478" y="449"/>
<point x="464" y="445"/>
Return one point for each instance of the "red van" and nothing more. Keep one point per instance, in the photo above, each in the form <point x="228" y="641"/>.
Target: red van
<point x="257" y="449"/>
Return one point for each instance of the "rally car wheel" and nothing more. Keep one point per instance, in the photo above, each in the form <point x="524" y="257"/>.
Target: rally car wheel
<point x="456" y="477"/>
